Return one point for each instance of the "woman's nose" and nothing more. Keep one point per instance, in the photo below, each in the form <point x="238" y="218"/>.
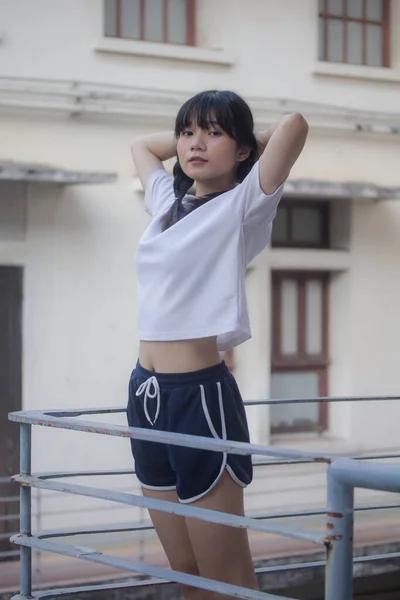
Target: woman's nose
<point x="197" y="142"/>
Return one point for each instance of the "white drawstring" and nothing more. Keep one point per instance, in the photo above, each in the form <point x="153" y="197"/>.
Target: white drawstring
<point x="146" y="388"/>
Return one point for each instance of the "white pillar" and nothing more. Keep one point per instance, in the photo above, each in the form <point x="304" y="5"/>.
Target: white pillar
<point x="253" y="358"/>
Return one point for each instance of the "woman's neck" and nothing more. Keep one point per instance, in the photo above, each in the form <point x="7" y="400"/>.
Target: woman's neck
<point x="214" y="186"/>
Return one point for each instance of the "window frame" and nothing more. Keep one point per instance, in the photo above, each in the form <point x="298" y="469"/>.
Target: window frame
<point x="384" y="23"/>
<point x="190" y="23"/>
<point x="301" y="362"/>
<point x="324" y="208"/>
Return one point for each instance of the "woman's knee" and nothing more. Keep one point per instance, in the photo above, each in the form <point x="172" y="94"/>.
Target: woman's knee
<point x="186" y="563"/>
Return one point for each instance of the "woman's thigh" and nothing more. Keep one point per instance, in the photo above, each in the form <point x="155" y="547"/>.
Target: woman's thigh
<point x="174" y="537"/>
<point x="223" y="552"/>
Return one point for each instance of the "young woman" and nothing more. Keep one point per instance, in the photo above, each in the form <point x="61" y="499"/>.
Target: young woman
<point x="191" y="264"/>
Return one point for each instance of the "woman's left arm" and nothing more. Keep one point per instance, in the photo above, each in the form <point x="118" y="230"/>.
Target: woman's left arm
<point x="282" y="144"/>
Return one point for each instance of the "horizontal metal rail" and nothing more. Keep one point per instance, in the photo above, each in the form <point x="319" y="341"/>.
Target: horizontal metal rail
<point x="10" y="554"/>
<point x="184" y="510"/>
<point x="4" y="480"/>
<point x="94" y="556"/>
<point x="7" y="519"/>
<point x="369" y="476"/>
<point x="151" y="581"/>
<point x="79" y="412"/>
<point x="344" y="474"/>
<point x="49" y="419"/>
<point x="256" y="464"/>
<point x="148" y="526"/>
<point x="323" y="399"/>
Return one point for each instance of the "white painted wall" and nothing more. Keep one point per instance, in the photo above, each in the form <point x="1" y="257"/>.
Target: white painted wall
<point x="275" y="39"/>
<point x="79" y="296"/>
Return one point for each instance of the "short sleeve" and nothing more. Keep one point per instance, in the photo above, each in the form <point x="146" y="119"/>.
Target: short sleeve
<point x="259" y="212"/>
<point x="258" y="205"/>
<point x="159" y="195"/>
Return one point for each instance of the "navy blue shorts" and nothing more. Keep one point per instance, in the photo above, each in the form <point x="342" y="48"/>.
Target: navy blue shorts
<point x="205" y="403"/>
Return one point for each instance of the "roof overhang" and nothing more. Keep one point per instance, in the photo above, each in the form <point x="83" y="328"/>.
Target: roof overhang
<point x="47" y="174"/>
<point x="294" y="188"/>
<point x="323" y="190"/>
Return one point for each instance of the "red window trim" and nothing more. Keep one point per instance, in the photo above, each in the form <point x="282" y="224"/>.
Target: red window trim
<point x="301" y="361"/>
<point x="384" y="23"/>
<point x="190" y="21"/>
<point x="301" y="358"/>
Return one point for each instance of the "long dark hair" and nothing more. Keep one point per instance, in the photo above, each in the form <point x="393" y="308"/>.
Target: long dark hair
<point x="233" y="116"/>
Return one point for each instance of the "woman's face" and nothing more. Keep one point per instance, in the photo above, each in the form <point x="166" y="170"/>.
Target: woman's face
<point x="208" y="154"/>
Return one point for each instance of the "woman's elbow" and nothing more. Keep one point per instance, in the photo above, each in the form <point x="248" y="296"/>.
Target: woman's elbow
<point x="299" y="123"/>
<point x="138" y="142"/>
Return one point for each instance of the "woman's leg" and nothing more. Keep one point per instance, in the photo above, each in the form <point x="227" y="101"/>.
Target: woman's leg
<point x="222" y="552"/>
<point x="174" y="537"/>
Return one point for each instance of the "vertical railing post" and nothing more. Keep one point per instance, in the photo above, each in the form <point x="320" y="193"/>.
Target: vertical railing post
<point x="25" y="510"/>
<point x="339" y="540"/>
<point x="38" y="526"/>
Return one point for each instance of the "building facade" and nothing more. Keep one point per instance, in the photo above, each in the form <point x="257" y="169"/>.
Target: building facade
<point x="78" y="81"/>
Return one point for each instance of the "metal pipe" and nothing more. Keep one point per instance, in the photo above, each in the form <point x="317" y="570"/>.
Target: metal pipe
<point x="256" y="463"/>
<point x="25" y="510"/>
<point x="339" y="539"/>
<point x="38" y="557"/>
<point x="344" y="475"/>
<point x="157" y="436"/>
<point x="95" y="556"/>
<point x="16" y="416"/>
<point x="184" y="510"/>
<point x="367" y="475"/>
<point x="322" y="399"/>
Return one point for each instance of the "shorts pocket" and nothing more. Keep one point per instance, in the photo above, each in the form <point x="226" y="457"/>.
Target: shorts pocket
<point x="196" y="413"/>
<point x="207" y="415"/>
<point x="198" y="470"/>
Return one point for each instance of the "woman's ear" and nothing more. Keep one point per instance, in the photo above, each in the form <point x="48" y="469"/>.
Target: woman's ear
<point x="243" y="153"/>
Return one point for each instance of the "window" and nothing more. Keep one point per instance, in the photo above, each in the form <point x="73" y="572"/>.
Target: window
<point x="301" y="225"/>
<point x="354" y="32"/>
<point x="168" y="21"/>
<point x="299" y="349"/>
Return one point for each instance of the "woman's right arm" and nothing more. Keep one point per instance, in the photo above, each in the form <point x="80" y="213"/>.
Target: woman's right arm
<point x="150" y="151"/>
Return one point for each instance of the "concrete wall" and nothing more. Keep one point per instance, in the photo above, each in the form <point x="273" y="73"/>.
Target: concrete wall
<point x="272" y="45"/>
<point x="79" y="242"/>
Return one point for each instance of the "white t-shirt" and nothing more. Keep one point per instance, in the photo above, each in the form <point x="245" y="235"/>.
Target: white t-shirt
<point x="191" y="276"/>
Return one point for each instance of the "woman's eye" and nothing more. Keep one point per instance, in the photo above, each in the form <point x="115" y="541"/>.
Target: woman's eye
<point x="215" y="133"/>
<point x="186" y="133"/>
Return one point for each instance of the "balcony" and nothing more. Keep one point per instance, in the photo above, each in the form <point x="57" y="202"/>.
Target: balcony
<point x="332" y="535"/>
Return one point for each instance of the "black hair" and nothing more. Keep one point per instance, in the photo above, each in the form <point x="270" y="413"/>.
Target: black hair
<point x="233" y="115"/>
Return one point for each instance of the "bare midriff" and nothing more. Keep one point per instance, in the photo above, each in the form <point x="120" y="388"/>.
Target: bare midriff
<point x="180" y="356"/>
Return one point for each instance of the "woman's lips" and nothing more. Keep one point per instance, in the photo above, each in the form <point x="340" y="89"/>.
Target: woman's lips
<point x="197" y="161"/>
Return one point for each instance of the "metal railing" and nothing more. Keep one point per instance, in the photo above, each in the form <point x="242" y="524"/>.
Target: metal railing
<point x="343" y="475"/>
<point x="7" y="518"/>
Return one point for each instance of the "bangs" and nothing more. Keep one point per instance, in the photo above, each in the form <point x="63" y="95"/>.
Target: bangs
<point x="205" y="110"/>
<point x="230" y="113"/>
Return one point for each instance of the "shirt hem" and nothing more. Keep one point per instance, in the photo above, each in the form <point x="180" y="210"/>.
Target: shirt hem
<point x="238" y="336"/>
<point x="184" y="335"/>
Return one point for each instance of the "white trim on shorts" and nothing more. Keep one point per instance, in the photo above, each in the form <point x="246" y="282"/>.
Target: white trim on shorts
<point x="155" y="488"/>
<point x="216" y="436"/>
